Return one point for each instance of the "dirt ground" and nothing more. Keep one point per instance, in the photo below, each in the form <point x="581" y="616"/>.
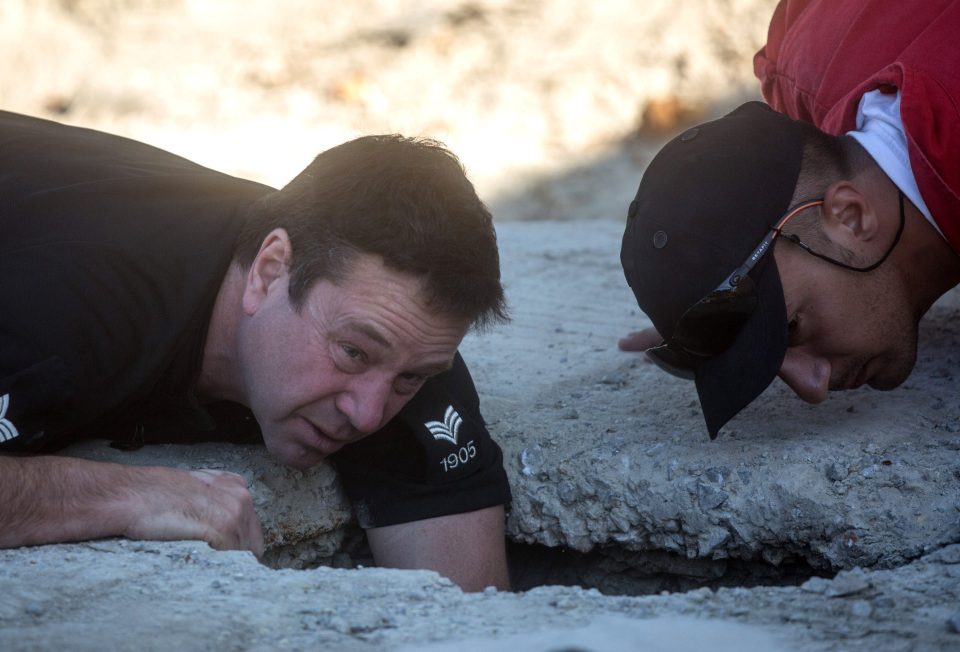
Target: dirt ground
<point x="523" y="91"/>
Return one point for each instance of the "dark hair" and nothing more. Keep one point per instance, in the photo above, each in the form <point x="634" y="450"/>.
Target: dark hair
<point x="405" y="200"/>
<point x="826" y="159"/>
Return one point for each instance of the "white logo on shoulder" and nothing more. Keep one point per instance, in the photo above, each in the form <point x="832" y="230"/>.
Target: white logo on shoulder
<point x="8" y="431"/>
<point x="448" y="429"/>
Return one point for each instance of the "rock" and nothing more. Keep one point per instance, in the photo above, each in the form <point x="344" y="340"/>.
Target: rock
<point x="711" y="540"/>
<point x="816" y="585"/>
<point x="709" y="496"/>
<point x="162" y="594"/>
<point x="860" y="609"/>
<point x="717" y="475"/>
<point x="953" y="623"/>
<point x="34" y="608"/>
<point x="835" y="472"/>
<point x="848" y="583"/>
<point x="531" y="459"/>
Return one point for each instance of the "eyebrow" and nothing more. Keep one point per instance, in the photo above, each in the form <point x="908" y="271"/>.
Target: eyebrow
<point x="434" y="370"/>
<point x="376" y="336"/>
<point x="371" y="332"/>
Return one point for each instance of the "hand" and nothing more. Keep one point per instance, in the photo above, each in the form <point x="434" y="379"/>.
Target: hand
<point x="640" y="340"/>
<point x="214" y="506"/>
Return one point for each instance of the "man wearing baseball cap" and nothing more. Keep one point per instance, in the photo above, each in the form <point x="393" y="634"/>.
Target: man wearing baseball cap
<point x="807" y="243"/>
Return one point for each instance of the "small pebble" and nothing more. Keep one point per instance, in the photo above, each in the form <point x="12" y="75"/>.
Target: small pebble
<point x="953" y="623"/>
<point x="709" y="496"/>
<point x="835" y="473"/>
<point x="848" y="583"/>
<point x="531" y="458"/>
<point x="34" y="608"/>
<point x="815" y="585"/>
<point x="861" y="609"/>
<point x="717" y="474"/>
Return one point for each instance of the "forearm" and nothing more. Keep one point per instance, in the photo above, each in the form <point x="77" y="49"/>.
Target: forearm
<point x="469" y="548"/>
<point x="58" y="499"/>
<point x="53" y="499"/>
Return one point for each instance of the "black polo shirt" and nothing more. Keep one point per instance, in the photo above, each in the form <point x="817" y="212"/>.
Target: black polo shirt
<point x="111" y="256"/>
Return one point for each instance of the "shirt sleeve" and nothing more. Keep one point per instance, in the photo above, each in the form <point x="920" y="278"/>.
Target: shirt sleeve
<point x="35" y="400"/>
<point x="435" y="458"/>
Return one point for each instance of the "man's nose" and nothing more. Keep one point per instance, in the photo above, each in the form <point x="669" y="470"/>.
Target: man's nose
<point x="807" y="375"/>
<point x="365" y="403"/>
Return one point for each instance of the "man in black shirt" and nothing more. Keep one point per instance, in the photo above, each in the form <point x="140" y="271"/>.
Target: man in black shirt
<point x="144" y="298"/>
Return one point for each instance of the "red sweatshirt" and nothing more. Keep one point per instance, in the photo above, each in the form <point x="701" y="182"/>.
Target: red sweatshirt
<point x="821" y="56"/>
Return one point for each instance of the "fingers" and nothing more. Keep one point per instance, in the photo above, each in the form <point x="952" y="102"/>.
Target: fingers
<point x="231" y="517"/>
<point x="210" y="505"/>
<point x="640" y="340"/>
<point x="254" y="540"/>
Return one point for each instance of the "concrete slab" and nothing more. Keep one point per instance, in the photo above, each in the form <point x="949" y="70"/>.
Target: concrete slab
<point x="125" y="595"/>
<point x="606" y="450"/>
<point x="607" y="455"/>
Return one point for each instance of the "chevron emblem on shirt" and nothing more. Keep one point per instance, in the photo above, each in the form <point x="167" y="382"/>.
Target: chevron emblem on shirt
<point x="448" y="428"/>
<point x="9" y="431"/>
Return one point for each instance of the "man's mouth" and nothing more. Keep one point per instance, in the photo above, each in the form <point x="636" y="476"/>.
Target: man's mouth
<point x="323" y="442"/>
<point x="861" y="377"/>
<point x="852" y="379"/>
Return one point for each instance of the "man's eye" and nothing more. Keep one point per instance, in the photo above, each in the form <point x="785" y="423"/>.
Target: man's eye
<point x="409" y="383"/>
<point x="352" y="352"/>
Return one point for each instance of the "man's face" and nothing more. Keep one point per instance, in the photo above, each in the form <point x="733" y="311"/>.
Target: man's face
<point x="846" y="329"/>
<point x="344" y="364"/>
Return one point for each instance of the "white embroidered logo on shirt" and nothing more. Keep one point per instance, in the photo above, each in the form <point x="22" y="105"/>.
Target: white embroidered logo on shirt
<point x="448" y="429"/>
<point x="7" y="430"/>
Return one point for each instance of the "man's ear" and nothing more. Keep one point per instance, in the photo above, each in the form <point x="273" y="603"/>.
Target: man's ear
<point x="849" y="216"/>
<point x="271" y="265"/>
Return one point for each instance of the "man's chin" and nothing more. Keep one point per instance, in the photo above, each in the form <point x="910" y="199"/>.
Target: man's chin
<point x="885" y="385"/>
<point x="895" y="376"/>
<point x="890" y="381"/>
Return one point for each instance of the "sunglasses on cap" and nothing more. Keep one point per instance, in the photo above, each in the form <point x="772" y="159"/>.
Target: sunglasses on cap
<point x="710" y="326"/>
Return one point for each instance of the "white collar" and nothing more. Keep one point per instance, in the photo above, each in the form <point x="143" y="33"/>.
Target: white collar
<point x="880" y="132"/>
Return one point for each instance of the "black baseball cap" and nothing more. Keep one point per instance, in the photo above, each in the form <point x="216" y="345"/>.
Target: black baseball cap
<point x="705" y="202"/>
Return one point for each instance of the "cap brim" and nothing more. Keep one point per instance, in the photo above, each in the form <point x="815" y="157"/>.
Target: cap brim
<point x="728" y="382"/>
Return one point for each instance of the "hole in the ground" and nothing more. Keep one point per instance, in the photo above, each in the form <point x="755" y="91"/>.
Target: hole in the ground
<point x="615" y="571"/>
<point x="611" y="570"/>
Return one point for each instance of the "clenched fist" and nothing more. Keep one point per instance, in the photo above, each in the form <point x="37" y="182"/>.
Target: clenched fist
<point x="214" y="506"/>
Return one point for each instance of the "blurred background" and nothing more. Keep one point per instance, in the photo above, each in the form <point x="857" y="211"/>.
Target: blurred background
<point x="554" y="106"/>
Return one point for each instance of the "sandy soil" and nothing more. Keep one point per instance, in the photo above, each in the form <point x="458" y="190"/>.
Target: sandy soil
<point x="524" y="91"/>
